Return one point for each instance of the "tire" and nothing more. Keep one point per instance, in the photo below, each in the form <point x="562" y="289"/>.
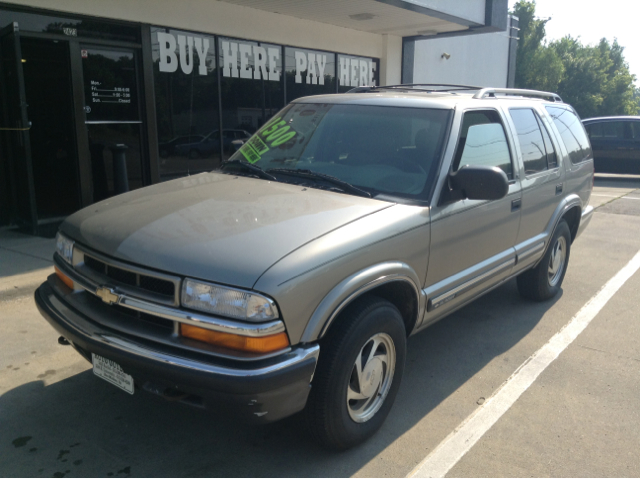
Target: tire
<point x="195" y="155"/>
<point x="544" y="281"/>
<point x="337" y="422"/>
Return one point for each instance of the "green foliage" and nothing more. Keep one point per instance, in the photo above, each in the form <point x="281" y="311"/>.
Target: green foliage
<point x="594" y="79"/>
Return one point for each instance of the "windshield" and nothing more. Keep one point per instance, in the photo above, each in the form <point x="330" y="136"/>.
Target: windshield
<point x="382" y="150"/>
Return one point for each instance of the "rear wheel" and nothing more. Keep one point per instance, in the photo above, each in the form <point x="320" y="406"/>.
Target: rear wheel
<point x="544" y="281"/>
<point x="358" y="375"/>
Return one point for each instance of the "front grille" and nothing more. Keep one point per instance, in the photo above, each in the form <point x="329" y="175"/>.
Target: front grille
<point x="129" y="278"/>
<point x="148" y="318"/>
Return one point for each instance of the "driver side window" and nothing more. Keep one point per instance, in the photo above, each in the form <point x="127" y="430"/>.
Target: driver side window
<point x="483" y="142"/>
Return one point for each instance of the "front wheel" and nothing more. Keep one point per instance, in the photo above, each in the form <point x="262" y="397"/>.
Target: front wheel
<point x="543" y="282"/>
<point x="358" y="375"/>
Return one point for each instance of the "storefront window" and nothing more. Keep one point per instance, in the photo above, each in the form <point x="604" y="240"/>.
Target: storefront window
<point x="309" y="72"/>
<point x="252" y="87"/>
<point x="187" y="109"/>
<point x="71" y="27"/>
<point x="357" y="71"/>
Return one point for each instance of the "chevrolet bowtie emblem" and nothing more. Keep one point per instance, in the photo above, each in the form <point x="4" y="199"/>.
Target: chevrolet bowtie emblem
<point x="107" y="295"/>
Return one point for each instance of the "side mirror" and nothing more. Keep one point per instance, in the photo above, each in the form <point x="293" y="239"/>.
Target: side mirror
<point x="480" y="182"/>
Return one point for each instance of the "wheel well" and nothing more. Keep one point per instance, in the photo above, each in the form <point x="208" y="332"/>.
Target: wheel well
<point x="399" y="293"/>
<point x="572" y="217"/>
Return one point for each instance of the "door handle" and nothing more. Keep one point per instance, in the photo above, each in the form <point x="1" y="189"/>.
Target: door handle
<point x="516" y="204"/>
<point x="559" y="189"/>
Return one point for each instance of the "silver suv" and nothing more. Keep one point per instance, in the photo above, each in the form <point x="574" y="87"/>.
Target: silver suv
<point x="291" y="277"/>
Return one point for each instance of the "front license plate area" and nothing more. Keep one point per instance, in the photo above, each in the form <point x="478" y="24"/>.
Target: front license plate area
<point x="111" y="372"/>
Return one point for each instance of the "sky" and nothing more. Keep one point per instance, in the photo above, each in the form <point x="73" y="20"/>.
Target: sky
<point x="592" y="20"/>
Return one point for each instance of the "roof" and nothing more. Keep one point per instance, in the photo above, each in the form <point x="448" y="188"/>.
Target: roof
<point x="393" y="17"/>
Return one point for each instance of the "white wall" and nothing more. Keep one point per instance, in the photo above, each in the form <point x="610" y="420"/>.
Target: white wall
<point x="226" y="19"/>
<point x="478" y="60"/>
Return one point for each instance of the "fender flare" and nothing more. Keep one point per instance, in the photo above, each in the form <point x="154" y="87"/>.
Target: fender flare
<point x="356" y="285"/>
<point x="571" y="201"/>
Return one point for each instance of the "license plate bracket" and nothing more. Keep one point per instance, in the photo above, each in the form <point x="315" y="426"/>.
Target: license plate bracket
<point x="112" y="372"/>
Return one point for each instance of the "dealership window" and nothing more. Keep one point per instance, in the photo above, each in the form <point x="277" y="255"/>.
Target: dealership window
<point x="187" y="109"/>
<point x="86" y="27"/>
<point x="356" y="71"/>
<point x="309" y="72"/>
<point x="251" y="87"/>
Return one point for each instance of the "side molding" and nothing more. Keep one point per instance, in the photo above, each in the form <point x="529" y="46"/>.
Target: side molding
<point x="356" y="285"/>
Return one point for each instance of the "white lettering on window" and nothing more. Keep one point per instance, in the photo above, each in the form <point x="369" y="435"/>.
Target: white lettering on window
<point x="372" y="74"/>
<point x="301" y="65"/>
<point x="202" y="47"/>
<point x="245" y="70"/>
<point x="344" y="71"/>
<point x="230" y="59"/>
<point x="322" y="62"/>
<point x="354" y="72"/>
<point x="274" y="55"/>
<point x="168" y="58"/>
<point x="186" y="65"/>
<point x="312" y="76"/>
<point x="364" y="73"/>
<point x="260" y="62"/>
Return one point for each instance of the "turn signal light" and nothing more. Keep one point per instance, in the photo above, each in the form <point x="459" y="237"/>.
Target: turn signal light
<point x="65" y="279"/>
<point x="263" y="344"/>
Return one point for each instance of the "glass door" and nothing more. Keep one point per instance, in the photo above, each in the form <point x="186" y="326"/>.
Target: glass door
<point x="113" y="119"/>
<point x="15" y="125"/>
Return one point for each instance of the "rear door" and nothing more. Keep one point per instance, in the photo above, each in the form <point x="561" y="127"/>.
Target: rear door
<point x="542" y="180"/>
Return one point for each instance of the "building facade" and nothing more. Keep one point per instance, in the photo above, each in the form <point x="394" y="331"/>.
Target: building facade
<point x="100" y="97"/>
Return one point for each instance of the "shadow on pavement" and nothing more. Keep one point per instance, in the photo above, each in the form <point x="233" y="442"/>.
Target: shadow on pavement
<point x="82" y="426"/>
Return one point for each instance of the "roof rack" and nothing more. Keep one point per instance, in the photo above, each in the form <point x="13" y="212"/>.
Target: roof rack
<point x="491" y="93"/>
<point x="410" y="86"/>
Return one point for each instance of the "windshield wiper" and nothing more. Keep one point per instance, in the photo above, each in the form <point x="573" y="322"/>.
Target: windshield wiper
<point x="342" y="185"/>
<point x="256" y="170"/>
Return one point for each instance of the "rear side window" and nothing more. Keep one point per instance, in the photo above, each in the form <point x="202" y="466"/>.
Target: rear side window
<point x="534" y="153"/>
<point x="635" y="129"/>
<point x="483" y="142"/>
<point x="572" y="133"/>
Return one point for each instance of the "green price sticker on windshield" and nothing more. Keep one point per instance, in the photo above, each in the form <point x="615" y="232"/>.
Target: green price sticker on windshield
<point x="273" y="134"/>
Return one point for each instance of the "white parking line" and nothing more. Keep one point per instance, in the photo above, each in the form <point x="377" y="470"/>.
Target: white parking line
<point x="613" y="196"/>
<point x="464" y="437"/>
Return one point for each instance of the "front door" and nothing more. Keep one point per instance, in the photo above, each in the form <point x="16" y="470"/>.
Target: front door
<point x="113" y="119"/>
<point x="472" y="241"/>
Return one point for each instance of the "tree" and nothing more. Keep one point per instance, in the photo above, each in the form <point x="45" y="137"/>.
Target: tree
<point x="594" y="79"/>
<point x="537" y="67"/>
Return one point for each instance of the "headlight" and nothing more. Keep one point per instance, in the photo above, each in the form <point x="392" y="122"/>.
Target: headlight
<point x="230" y="302"/>
<point x="64" y="247"/>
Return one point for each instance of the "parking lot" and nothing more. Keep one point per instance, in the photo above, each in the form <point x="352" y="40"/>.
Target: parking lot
<point x="579" y="417"/>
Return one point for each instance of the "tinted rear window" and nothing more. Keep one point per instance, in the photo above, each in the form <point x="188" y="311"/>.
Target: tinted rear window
<point x="572" y="133"/>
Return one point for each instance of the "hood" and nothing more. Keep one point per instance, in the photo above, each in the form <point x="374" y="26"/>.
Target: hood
<point x="215" y="227"/>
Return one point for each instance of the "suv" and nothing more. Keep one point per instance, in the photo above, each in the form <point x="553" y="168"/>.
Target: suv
<point x="616" y="143"/>
<point x="291" y="277"/>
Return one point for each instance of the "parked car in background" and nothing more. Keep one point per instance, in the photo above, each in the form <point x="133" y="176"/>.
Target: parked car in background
<point x="210" y="144"/>
<point x="168" y="148"/>
<point x="291" y="277"/>
<point x="615" y="141"/>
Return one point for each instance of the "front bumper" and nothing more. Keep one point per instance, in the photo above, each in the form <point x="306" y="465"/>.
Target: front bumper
<point x="260" y="391"/>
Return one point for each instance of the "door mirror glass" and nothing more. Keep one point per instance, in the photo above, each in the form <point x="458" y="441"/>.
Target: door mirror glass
<point x="480" y="182"/>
